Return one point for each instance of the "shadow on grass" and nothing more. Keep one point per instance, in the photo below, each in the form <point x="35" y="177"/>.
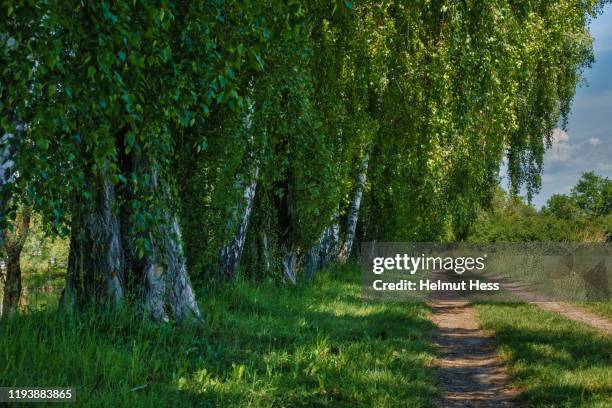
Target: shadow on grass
<point x="262" y="346"/>
<point x="554" y="360"/>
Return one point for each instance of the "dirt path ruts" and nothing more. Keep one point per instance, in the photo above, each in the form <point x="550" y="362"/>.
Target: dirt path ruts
<point x="522" y="292"/>
<point x="469" y="371"/>
<point x="577" y="314"/>
<point x="567" y="310"/>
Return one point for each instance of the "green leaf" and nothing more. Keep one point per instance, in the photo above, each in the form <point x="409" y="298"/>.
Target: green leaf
<point x="51" y="90"/>
<point x="130" y="138"/>
<point x="43" y="144"/>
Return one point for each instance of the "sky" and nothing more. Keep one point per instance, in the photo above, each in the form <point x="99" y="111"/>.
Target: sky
<point x="587" y="143"/>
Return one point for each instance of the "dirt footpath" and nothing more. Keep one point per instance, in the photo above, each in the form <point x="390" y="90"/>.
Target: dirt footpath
<point x="469" y="371"/>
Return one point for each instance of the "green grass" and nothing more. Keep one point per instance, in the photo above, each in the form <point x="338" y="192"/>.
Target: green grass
<point x="263" y="345"/>
<point x="555" y="362"/>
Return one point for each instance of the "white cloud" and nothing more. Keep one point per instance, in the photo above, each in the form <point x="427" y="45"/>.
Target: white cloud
<point x="604" y="166"/>
<point x="559" y="135"/>
<point x="594" y="141"/>
<point x="559" y="150"/>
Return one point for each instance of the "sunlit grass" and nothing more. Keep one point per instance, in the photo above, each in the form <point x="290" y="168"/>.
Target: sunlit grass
<point x="555" y="362"/>
<point x="263" y="345"/>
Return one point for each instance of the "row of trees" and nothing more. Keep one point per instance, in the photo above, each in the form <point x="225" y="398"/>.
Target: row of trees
<point x="169" y="136"/>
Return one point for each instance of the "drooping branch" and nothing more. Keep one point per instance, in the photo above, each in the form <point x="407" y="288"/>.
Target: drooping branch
<point x="230" y="254"/>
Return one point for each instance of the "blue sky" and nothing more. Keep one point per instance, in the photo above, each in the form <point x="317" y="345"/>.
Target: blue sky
<point x="587" y="144"/>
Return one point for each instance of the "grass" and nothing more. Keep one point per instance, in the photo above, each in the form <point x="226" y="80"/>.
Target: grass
<point x="555" y="362"/>
<point x="262" y="346"/>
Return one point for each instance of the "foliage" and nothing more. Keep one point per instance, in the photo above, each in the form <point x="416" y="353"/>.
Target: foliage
<point x="511" y="219"/>
<point x="593" y="194"/>
<point x="466" y="83"/>
<point x="203" y="96"/>
<point x="102" y="81"/>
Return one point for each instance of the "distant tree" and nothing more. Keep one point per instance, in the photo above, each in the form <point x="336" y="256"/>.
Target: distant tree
<point x="562" y="206"/>
<point x="594" y="193"/>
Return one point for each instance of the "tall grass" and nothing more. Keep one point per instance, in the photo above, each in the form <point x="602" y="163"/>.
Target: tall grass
<point x="555" y="362"/>
<point x="262" y="345"/>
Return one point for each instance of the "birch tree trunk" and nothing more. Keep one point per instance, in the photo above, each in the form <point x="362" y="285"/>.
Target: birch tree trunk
<point x="13" y="244"/>
<point x="330" y="243"/>
<point x="267" y="257"/>
<point x="7" y="175"/>
<point x="325" y="251"/>
<point x="353" y="215"/>
<point x="166" y="290"/>
<point x="96" y="259"/>
<point x="289" y="264"/>
<point x="159" y="279"/>
<point x="230" y="254"/>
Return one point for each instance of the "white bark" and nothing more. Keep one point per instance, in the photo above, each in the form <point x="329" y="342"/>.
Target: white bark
<point x="7" y="174"/>
<point x="230" y="254"/>
<point x="289" y="265"/>
<point x="167" y="291"/>
<point x="103" y="257"/>
<point x="325" y="251"/>
<point x="167" y="286"/>
<point x="353" y="215"/>
<point x="265" y="242"/>
<point x="7" y="159"/>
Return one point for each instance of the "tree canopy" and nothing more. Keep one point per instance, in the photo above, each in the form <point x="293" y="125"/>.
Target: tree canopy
<point x="131" y="121"/>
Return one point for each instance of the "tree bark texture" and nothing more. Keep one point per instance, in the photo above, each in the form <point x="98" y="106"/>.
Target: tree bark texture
<point x="160" y="279"/>
<point x="353" y="215"/>
<point x="230" y="254"/>
<point x="166" y="290"/>
<point x="96" y="259"/>
<point x="289" y="265"/>
<point x="324" y="252"/>
<point x="105" y="266"/>
<point x="7" y="174"/>
<point x="13" y="244"/>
